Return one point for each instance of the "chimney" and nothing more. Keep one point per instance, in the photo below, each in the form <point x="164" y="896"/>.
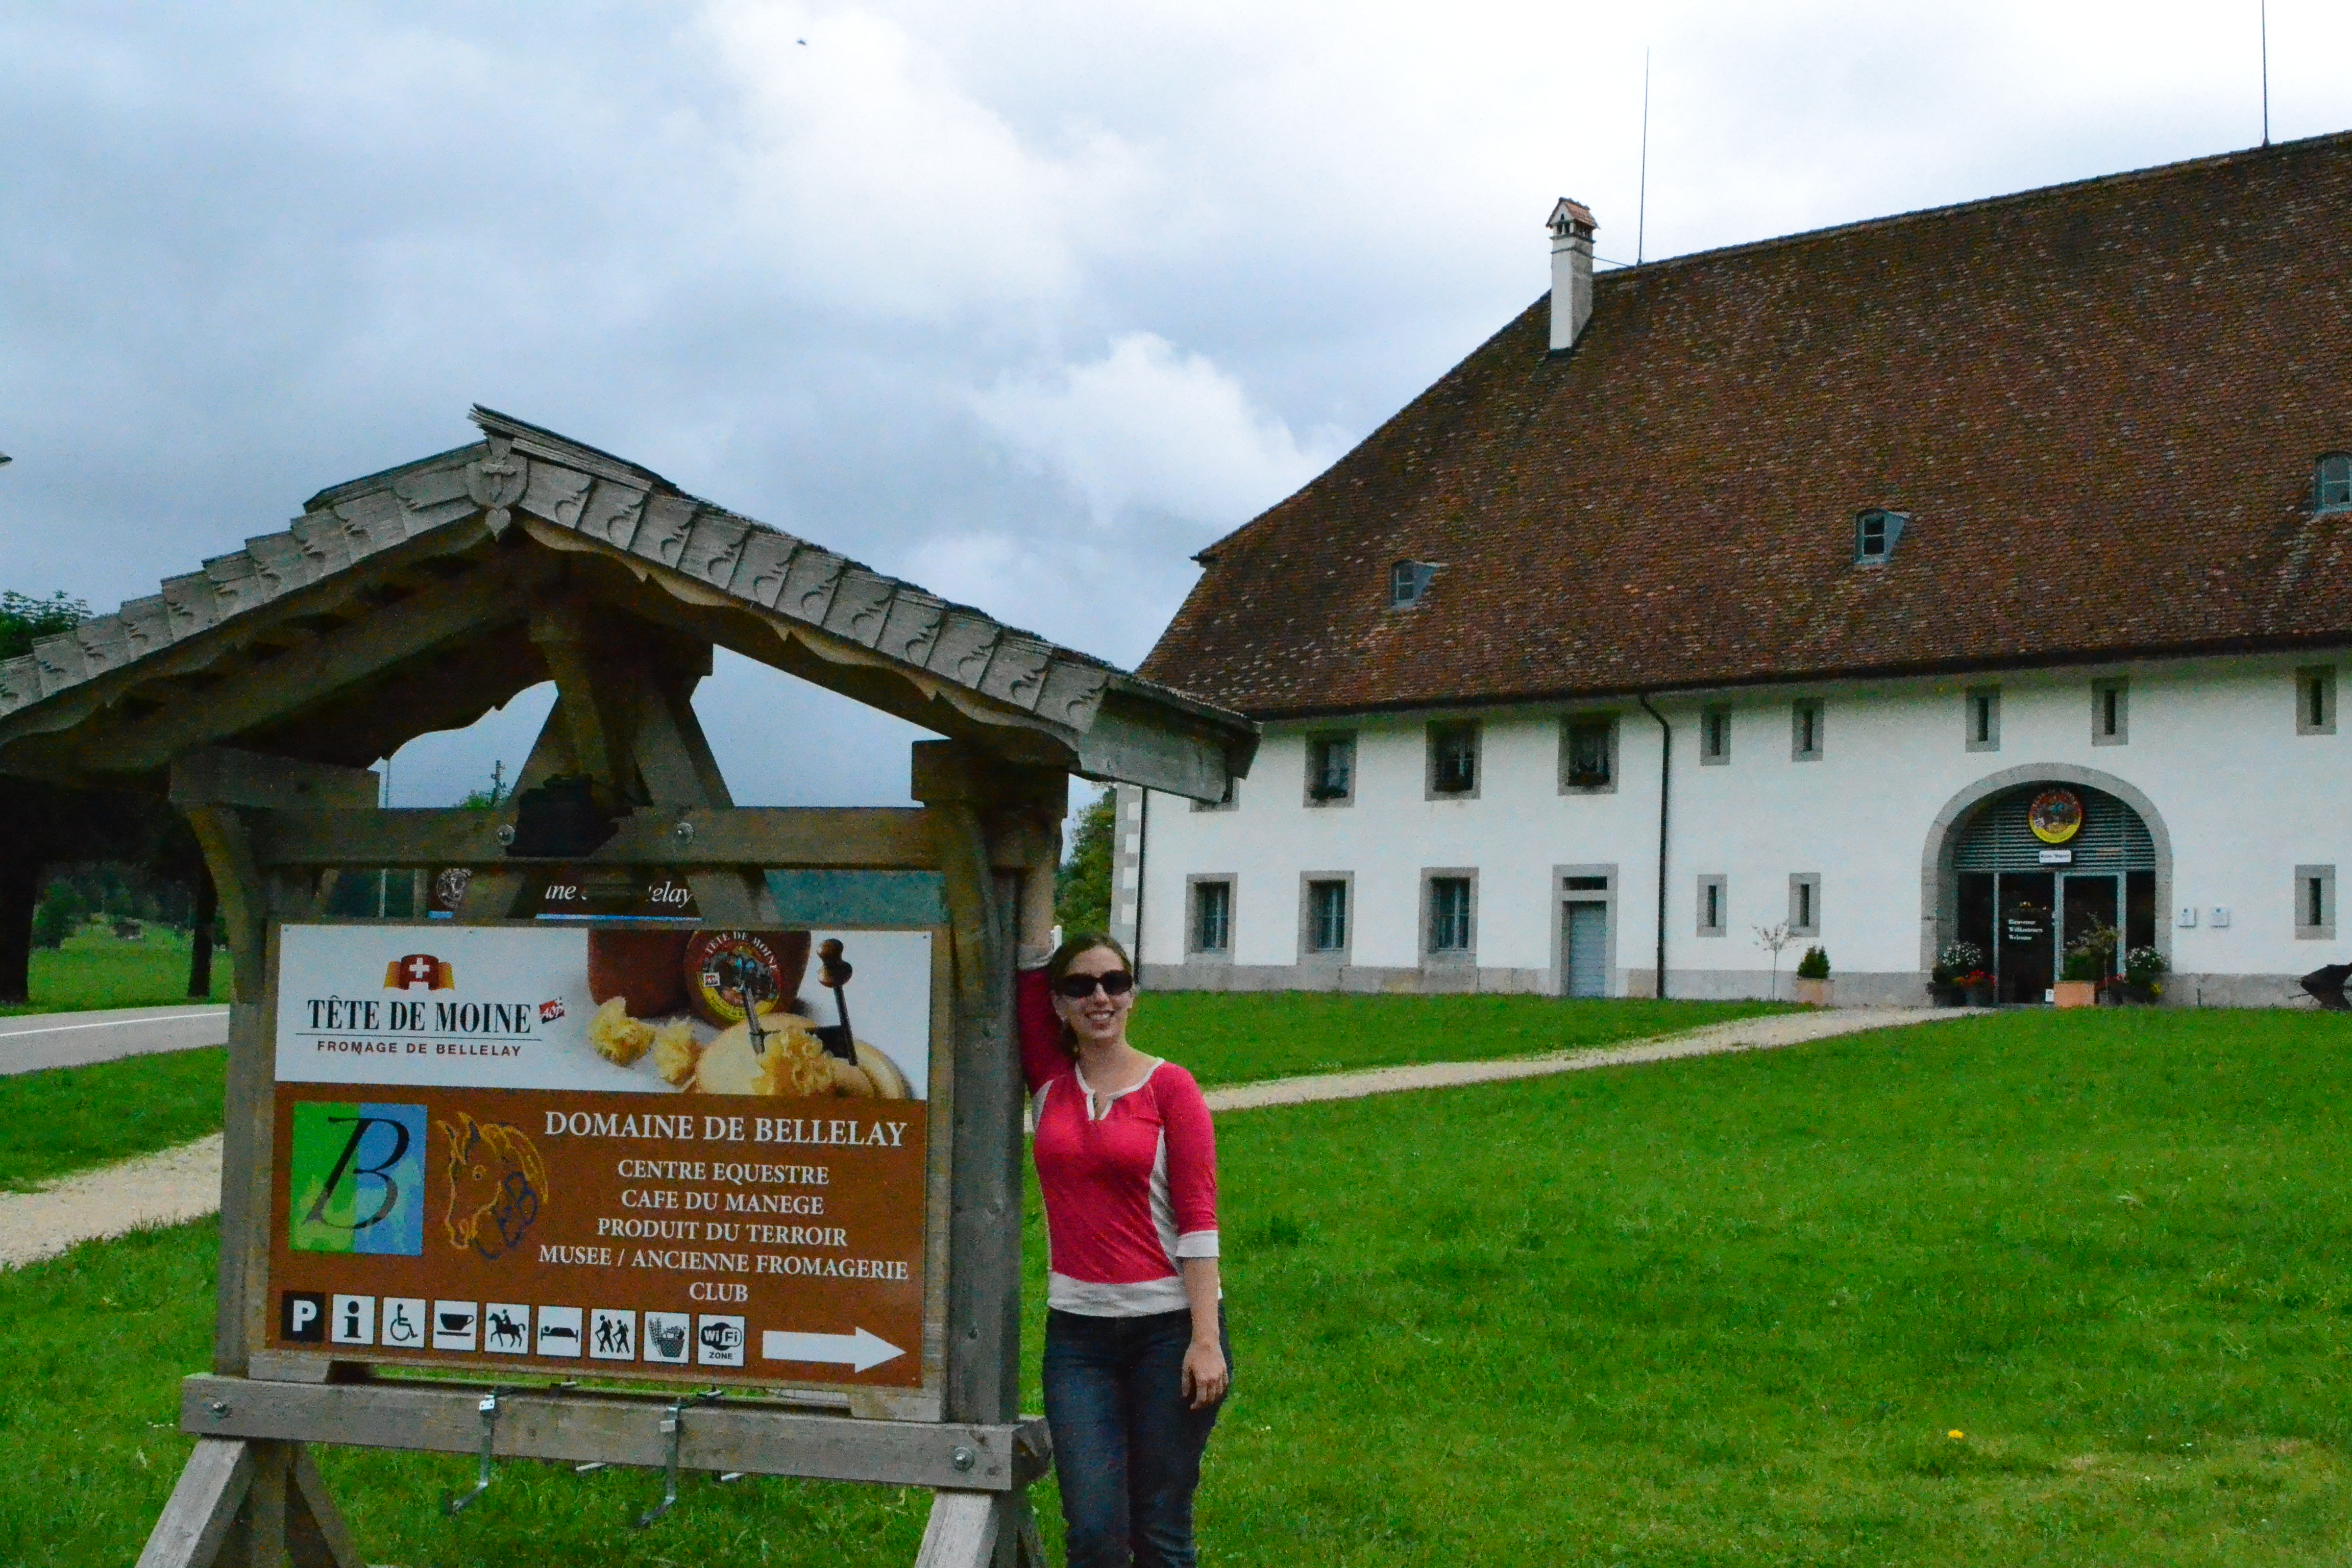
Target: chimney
<point x="1571" y="228"/>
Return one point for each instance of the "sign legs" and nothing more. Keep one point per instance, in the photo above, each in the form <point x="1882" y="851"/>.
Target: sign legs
<point x="981" y="1529"/>
<point x="244" y="1503"/>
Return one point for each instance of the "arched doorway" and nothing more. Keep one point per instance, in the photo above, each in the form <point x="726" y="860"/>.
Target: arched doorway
<point x="2023" y="863"/>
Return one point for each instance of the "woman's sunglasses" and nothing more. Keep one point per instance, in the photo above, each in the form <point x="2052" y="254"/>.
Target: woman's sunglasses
<point x="1077" y="987"/>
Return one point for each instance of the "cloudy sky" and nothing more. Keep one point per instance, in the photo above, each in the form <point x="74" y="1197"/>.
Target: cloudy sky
<point x="1027" y="303"/>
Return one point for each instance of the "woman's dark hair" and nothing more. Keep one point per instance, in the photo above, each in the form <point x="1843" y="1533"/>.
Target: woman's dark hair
<point x="1059" y="964"/>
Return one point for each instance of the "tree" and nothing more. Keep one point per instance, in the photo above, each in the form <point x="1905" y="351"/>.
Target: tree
<point x="1082" y="885"/>
<point x="1772" y="939"/>
<point x="24" y="620"/>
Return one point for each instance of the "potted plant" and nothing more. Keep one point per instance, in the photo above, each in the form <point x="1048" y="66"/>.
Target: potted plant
<point x="1814" y="981"/>
<point x="2143" y="971"/>
<point x="1976" y="988"/>
<point x="1959" y="960"/>
<point x="2090" y="959"/>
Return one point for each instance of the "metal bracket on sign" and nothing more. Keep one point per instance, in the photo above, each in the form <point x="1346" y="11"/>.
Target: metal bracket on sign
<point x="457" y="1503"/>
<point x="672" y="1422"/>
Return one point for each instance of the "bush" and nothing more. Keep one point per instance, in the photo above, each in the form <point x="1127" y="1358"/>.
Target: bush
<point x="1815" y="965"/>
<point x="1957" y="959"/>
<point x="57" y="917"/>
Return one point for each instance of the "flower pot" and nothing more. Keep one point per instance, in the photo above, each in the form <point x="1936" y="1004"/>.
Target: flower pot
<point x="2076" y="992"/>
<point x="1979" y="996"/>
<point x="1945" y="996"/>
<point x="1815" y="993"/>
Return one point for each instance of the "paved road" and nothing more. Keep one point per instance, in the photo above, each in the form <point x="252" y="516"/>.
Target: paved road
<point x="35" y="1040"/>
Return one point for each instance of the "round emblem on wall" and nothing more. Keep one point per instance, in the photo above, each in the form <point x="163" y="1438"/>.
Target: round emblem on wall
<point x="2055" y="815"/>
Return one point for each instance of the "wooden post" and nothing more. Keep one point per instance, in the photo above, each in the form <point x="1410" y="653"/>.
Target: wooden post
<point x="962" y="788"/>
<point x="200" y="936"/>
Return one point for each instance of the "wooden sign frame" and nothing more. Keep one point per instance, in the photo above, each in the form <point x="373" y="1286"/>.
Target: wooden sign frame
<point x="276" y="832"/>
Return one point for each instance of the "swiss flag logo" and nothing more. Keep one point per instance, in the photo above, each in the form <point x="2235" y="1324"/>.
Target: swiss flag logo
<point x="419" y="971"/>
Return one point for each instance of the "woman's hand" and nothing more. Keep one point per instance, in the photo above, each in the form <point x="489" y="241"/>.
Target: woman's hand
<point x="1205" y="1377"/>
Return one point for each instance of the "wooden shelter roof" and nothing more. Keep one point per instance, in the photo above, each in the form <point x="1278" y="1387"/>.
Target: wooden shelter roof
<point x="403" y="603"/>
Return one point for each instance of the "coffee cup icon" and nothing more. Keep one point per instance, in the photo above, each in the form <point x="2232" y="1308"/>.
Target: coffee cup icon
<point x="457" y="1322"/>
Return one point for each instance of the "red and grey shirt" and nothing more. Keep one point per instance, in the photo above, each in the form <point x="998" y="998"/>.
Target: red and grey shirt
<point x="1126" y="1192"/>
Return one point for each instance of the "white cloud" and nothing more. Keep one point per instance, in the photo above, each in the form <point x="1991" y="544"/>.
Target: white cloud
<point x="1146" y="431"/>
<point x="1024" y="301"/>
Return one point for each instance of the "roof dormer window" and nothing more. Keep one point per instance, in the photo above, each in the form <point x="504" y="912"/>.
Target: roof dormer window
<point x="1875" y="533"/>
<point x="1408" y="581"/>
<point x="2331" y="483"/>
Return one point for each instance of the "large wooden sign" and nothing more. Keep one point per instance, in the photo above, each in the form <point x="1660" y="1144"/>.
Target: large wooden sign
<point x="668" y="1154"/>
<point x="665" y="1100"/>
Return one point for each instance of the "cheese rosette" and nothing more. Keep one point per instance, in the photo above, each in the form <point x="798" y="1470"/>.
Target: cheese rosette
<point x="793" y="1061"/>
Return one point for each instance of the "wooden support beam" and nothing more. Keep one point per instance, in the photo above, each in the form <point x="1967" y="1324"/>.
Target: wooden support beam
<point x="268" y="693"/>
<point x="871" y="839"/>
<point x="316" y="1535"/>
<point x="981" y="1529"/>
<point x="222" y="775"/>
<point x="577" y="1426"/>
<point x="251" y="1503"/>
<point x="985" y="1221"/>
<point x="204" y="1506"/>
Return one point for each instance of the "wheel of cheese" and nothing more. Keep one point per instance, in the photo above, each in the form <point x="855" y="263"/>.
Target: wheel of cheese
<point x="709" y="956"/>
<point x="641" y="967"/>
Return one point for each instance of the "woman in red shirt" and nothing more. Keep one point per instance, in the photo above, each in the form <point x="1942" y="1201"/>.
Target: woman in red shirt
<point x="1136" y="1357"/>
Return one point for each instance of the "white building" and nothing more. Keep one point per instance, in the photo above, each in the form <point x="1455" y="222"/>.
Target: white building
<point x="1778" y="585"/>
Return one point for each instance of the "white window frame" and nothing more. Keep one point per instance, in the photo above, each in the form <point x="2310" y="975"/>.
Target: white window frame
<point x="1804" y="903"/>
<point x="1317" y="745"/>
<point x="1434" y="737"/>
<point x="1193" y="885"/>
<point x="1719" y="885"/>
<point x="1981" y="711"/>
<point x="2119" y="688"/>
<point x="2305" y="928"/>
<point x="2319" y="680"/>
<point x="1309" y="881"/>
<point x="1714" y="736"/>
<point x="1448" y="957"/>
<point x="1798" y="710"/>
<point x="1569" y="725"/>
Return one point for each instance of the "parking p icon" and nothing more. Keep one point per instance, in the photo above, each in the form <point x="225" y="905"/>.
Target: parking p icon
<point x="302" y="1317"/>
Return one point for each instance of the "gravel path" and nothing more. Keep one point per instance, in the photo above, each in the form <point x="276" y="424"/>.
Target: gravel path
<point x="1716" y="1039"/>
<point x="170" y="1188"/>
<point x="183" y="1183"/>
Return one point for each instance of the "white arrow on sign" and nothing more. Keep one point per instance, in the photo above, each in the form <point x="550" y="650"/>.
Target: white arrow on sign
<point x="860" y="1349"/>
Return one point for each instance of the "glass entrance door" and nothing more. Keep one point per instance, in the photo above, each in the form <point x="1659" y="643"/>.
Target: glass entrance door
<point x="2027" y="947"/>
<point x="2087" y="902"/>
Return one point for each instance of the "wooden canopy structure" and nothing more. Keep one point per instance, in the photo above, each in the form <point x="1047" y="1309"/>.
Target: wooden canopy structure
<point x="254" y="693"/>
<point x="329" y="641"/>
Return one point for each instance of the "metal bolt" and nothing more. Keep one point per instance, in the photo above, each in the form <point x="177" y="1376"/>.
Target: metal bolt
<point x="684" y="831"/>
<point x="219" y="1408"/>
<point x="506" y="832"/>
<point x="963" y="1459"/>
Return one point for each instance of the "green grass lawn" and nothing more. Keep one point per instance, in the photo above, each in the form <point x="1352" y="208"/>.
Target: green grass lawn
<point x="68" y="1119"/>
<point x="1725" y="1310"/>
<point x="1239" y="1037"/>
<point x="93" y="970"/>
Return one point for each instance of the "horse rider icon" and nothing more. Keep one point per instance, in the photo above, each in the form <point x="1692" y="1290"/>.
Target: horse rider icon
<point x="399" y="1328"/>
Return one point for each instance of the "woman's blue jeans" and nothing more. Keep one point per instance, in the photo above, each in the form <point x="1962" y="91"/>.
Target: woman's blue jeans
<point x="1127" y="1444"/>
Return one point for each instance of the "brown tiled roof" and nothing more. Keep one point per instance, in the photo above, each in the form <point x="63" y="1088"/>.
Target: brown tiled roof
<point x="2099" y="403"/>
